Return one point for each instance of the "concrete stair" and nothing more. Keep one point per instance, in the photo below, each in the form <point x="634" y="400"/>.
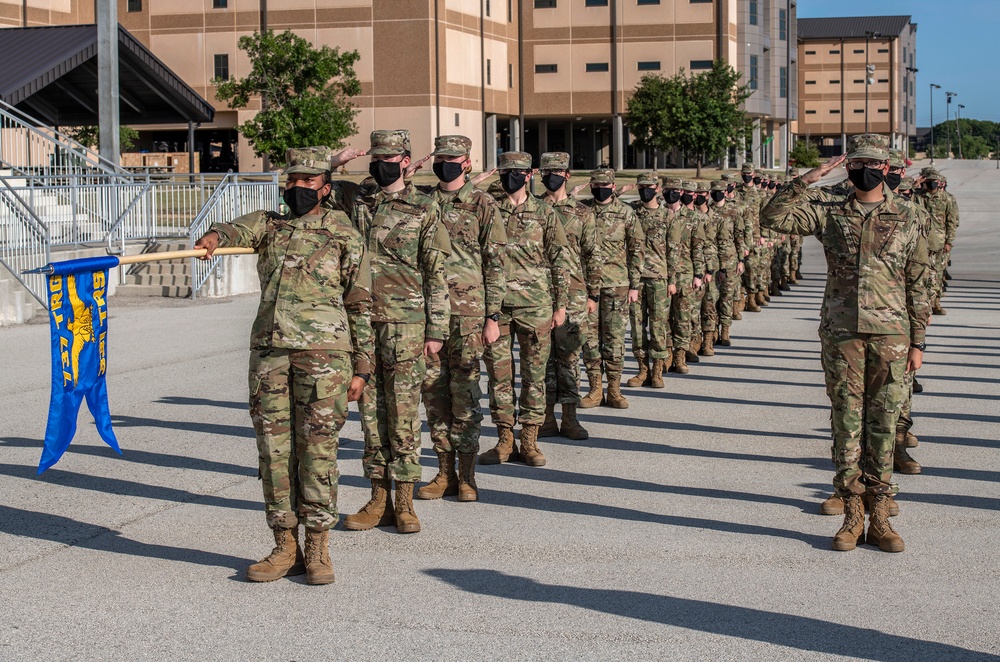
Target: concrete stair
<point x="17" y="306"/>
<point x="171" y="278"/>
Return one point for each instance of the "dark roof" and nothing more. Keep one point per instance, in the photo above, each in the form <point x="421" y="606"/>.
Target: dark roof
<point x="851" y="27"/>
<point x="51" y="72"/>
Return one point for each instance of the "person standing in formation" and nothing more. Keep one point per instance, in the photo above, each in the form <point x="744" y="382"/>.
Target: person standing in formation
<point x="730" y="225"/>
<point x="941" y="232"/>
<point x="685" y="266"/>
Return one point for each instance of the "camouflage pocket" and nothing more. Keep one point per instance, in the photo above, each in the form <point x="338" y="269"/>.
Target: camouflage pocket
<point x="468" y="326"/>
<point x="330" y="386"/>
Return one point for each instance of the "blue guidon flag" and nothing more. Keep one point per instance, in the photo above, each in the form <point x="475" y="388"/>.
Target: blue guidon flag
<point x="78" y="318"/>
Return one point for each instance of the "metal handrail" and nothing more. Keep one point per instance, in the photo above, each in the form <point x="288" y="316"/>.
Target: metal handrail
<point x="121" y="218"/>
<point x="34" y="285"/>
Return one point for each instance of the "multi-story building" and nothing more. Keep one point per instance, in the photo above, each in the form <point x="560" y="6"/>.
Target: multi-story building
<point x="857" y="75"/>
<point x="538" y="74"/>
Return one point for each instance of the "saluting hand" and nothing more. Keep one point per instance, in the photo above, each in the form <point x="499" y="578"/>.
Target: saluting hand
<point x="822" y="171"/>
<point x="345" y="155"/>
<point x="483" y="176"/>
<point x="577" y="189"/>
<point x="415" y="166"/>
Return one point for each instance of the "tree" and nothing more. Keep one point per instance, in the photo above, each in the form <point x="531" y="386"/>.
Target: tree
<point x="90" y="136"/>
<point x="305" y="94"/>
<point x="698" y="114"/>
<point x="805" y="154"/>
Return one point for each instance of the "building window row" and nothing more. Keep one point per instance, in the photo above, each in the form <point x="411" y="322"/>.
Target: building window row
<point x="551" y="4"/>
<point x="597" y="67"/>
<point x="857" y="111"/>
<point x="783" y="82"/>
<point x="752" y="83"/>
<point x="782" y="25"/>
<point x="753" y="12"/>
<point x="604" y="67"/>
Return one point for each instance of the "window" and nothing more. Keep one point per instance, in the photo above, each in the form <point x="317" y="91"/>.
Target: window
<point x="783" y="82"/>
<point x="753" y="73"/>
<point x="487" y="7"/>
<point x="546" y="68"/>
<point x="456" y="119"/>
<point x="883" y="50"/>
<point x="904" y="54"/>
<point x="810" y="82"/>
<point x="835" y="81"/>
<point x="906" y="84"/>
<point x="693" y="1"/>
<point x="859" y="81"/>
<point x="883" y="80"/>
<point x="701" y="64"/>
<point x="510" y="11"/>
<point x="858" y="111"/>
<point x="489" y="72"/>
<point x="859" y="51"/>
<point x="647" y="2"/>
<point x="810" y="52"/>
<point x="883" y="110"/>
<point x="134" y="5"/>
<point x="834" y="111"/>
<point x="222" y="66"/>
<point x="597" y="67"/>
<point x="835" y="51"/>
<point x="510" y="75"/>
<point x="810" y="112"/>
<point x="782" y="25"/>
<point x="595" y="3"/>
<point x="753" y="12"/>
<point x="545" y="4"/>
<point x="651" y="65"/>
<point x="220" y="4"/>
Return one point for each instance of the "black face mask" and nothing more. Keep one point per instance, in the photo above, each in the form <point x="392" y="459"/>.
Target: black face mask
<point x="385" y="172"/>
<point x="931" y="185"/>
<point x="512" y="181"/>
<point x="717" y="196"/>
<point x="866" y="179"/>
<point x="729" y="189"/>
<point x="647" y="194"/>
<point x="686" y="198"/>
<point x="772" y="185"/>
<point x="906" y="194"/>
<point x="892" y="180"/>
<point x="700" y="200"/>
<point x="448" y="171"/>
<point x="300" y="200"/>
<point x="747" y="179"/>
<point x="756" y="180"/>
<point x="553" y="182"/>
<point x="602" y="194"/>
<point x="673" y="197"/>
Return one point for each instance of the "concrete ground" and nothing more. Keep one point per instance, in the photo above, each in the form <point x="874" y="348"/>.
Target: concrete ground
<point x="685" y="528"/>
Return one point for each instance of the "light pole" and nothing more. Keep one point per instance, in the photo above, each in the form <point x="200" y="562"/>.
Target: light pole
<point x="947" y="115"/>
<point x="958" y="128"/>
<point x="869" y="71"/>
<point x="933" y="87"/>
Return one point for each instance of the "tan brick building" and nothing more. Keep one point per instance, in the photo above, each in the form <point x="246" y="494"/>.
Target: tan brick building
<point x="839" y="97"/>
<point x="459" y="66"/>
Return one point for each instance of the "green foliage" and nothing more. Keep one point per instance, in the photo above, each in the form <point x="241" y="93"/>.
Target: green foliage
<point x="700" y="114"/>
<point x="805" y="154"/>
<point x="979" y="137"/>
<point x="90" y="136"/>
<point x="305" y="91"/>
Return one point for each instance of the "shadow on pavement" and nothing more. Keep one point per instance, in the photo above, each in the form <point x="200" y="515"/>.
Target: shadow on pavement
<point x="203" y="402"/>
<point x="799" y="632"/>
<point x="586" y="416"/>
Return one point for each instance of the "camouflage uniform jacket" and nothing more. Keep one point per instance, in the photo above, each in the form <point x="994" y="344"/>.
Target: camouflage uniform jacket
<point x="710" y="233"/>
<point x="730" y="239"/>
<point x="537" y="259"/>
<point x="355" y="200"/>
<point x="581" y="236"/>
<point x="654" y="223"/>
<point x="944" y="222"/>
<point x="315" y="283"/>
<point x="746" y="196"/>
<point x="876" y="263"/>
<point x="685" y="257"/>
<point x="621" y="240"/>
<point x="475" y="268"/>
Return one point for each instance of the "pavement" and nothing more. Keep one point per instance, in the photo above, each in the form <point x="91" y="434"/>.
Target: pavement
<point x="685" y="528"/>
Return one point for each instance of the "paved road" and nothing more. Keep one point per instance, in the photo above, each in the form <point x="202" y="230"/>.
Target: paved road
<point x="684" y="528"/>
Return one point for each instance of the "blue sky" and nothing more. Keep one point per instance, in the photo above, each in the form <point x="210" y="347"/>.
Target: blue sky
<point x="958" y="47"/>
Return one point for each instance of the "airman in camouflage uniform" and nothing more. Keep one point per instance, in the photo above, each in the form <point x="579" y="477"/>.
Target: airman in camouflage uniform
<point x="310" y="353"/>
<point x="476" y="287"/>
<point x="685" y="266"/>
<point x="875" y="313"/>
<point x="621" y="240"/>
<point x="942" y="231"/>
<point x="730" y="227"/>
<point x="411" y="316"/>
<point x="706" y="235"/>
<point x="795" y="253"/>
<point x="562" y="374"/>
<point x="651" y="313"/>
<point x="537" y="262"/>
<point x="749" y="199"/>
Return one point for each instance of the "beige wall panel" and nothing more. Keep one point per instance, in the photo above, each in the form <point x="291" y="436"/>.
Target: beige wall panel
<point x="662" y="14"/>
<point x="496" y="53"/>
<point x="698" y="12"/>
<point x="177" y="7"/>
<point x="418" y="119"/>
<point x="184" y="54"/>
<point x="557" y="17"/>
<point x="633" y="53"/>
<point x="473" y="7"/>
<point x="249" y="162"/>
<point x="582" y="15"/>
<point x="562" y="80"/>
<point x="462" y="64"/>
<point x="64" y="6"/>
<point x="685" y="51"/>
<point x="470" y="124"/>
<point x="584" y="54"/>
<point x="351" y="39"/>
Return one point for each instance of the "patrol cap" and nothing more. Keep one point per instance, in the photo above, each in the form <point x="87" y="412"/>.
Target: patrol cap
<point x="690" y="186"/>
<point x="602" y="176"/>
<point x="931" y="174"/>
<point x="514" y="161"/>
<point x="308" y="160"/>
<point x="718" y="185"/>
<point x="868" y="146"/>
<point x="727" y="177"/>
<point x="793" y="172"/>
<point x="747" y="169"/>
<point x="554" y="161"/>
<point x="390" y="141"/>
<point x="896" y="159"/>
<point x="647" y="178"/>
<point x="673" y="183"/>
<point x="700" y="187"/>
<point x="452" y="146"/>
<point x="905" y="183"/>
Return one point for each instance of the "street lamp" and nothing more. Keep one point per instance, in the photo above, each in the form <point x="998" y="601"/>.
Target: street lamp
<point x="933" y="87"/>
<point x="947" y="108"/>
<point x="906" y="106"/>
<point x="869" y="71"/>
<point x="958" y="128"/>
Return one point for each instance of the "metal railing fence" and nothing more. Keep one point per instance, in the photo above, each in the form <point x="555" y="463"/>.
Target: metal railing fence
<point x="24" y="242"/>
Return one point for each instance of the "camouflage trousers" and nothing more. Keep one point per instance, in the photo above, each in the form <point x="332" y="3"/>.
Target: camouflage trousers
<point x="562" y="371"/>
<point x="394" y="451"/>
<point x="697" y="300"/>
<point x="780" y="259"/>
<point x="905" y="422"/>
<point x="795" y="254"/>
<point x="709" y="306"/>
<point x="451" y="389"/>
<point x="729" y="287"/>
<point x="532" y="325"/>
<point x="651" y="320"/>
<point x="865" y="382"/>
<point x="298" y="404"/>
<point x="682" y="311"/>
<point x="605" y="345"/>
<point x="763" y="273"/>
<point x="938" y="262"/>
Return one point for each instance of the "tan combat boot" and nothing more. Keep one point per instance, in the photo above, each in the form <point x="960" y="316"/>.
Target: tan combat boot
<point x="406" y="516"/>
<point x="319" y="568"/>
<point x="615" y="398"/>
<point x="503" y="451"/>
<point x="641" y="379"/>
<point x="853" y="530"/>
<point x="724" y="340"/>
<point x="880" y="531"/>
<point x="374" y="513"/>
<point x="911" y="440"/>
<point x="656" y="378"/>
<point x="595" y="396"/>
<point x="901" y="460"/>
<point x="467" y="489"/>
<point x="284" y="560"/>
<point x="937" y="309"/>
<point x="445" y="483"/>
<point x="529" y="446"/>
<point x="571" y="428"/>
<point x="833" y="505"/>
<point x="707" y="346"/>
<point x="751" y="304"/>
<point x="893" y="506"/>
<point x="550" y="428"/>
<point x="680" y="362"/>
<point x="783" y="284"/>
<point x="692" y="350"/>
<point x="763" y="300"/>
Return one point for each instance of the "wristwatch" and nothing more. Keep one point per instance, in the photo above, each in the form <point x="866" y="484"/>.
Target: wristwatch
<point x="495" y="317"/>
<point x="594" y="297"/>
<point x="363" y="375"/>
<point x="922" y="346"/>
